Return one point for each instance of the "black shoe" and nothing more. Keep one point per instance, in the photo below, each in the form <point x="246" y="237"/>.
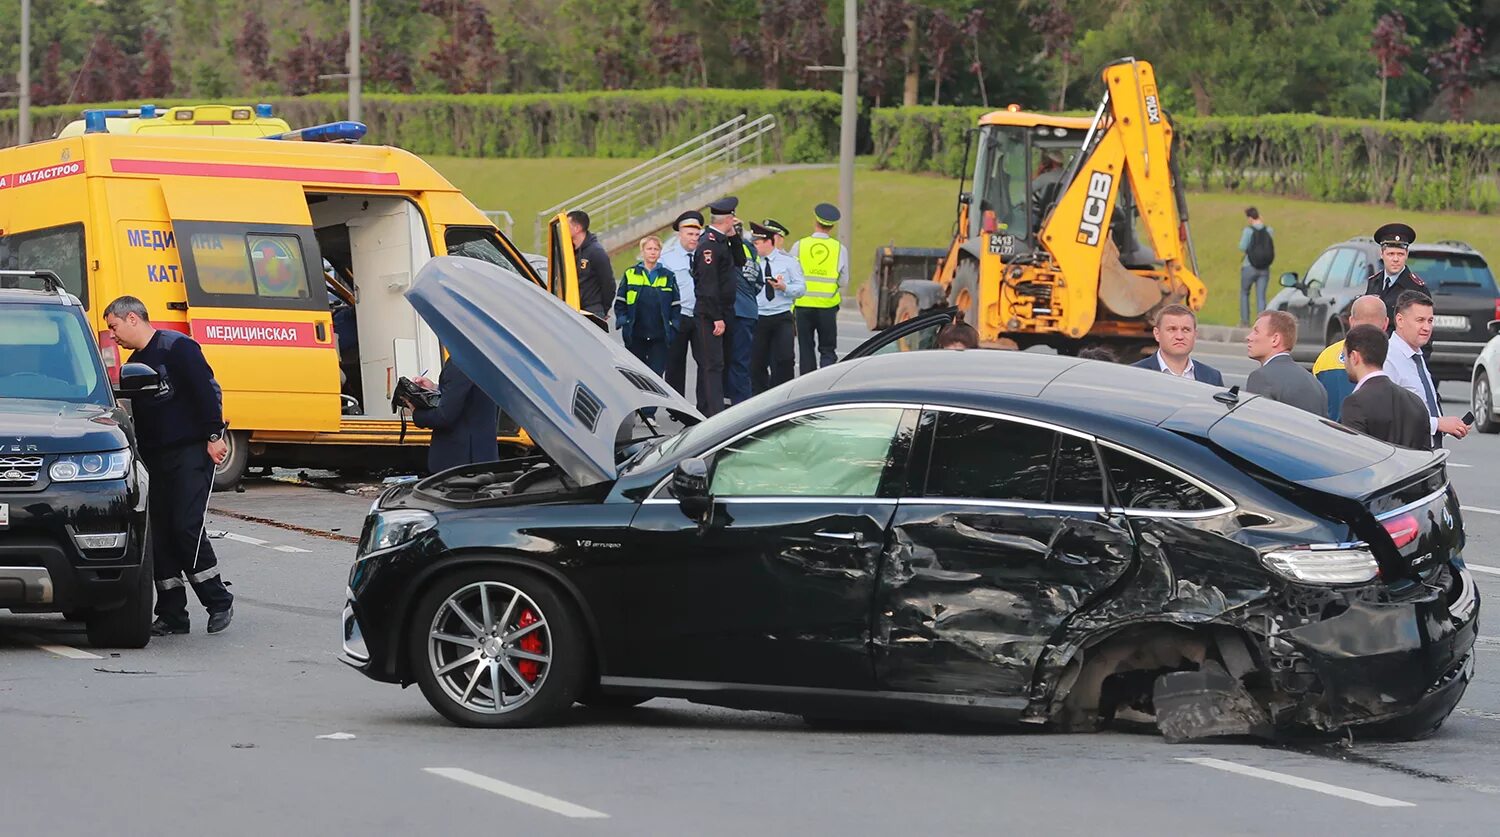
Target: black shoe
<point x="219" y="621"/>
<point x="167" y="627"/>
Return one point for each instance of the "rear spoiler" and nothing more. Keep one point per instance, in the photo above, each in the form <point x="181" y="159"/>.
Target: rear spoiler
<point x="1363" y="484"/>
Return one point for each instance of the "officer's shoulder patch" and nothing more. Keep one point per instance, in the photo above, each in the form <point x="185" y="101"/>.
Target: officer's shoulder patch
<point x="1417" y="279"/>
<point x="708" y="257"/>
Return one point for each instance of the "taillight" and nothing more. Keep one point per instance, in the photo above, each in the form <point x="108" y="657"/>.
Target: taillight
<point x="1403" y="530"/>
<point x="110" y="352"/>
<point x="1497" y="309"/>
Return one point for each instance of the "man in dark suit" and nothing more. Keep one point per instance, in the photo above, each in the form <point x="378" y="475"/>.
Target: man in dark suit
<point x="1280" y="378"/>
<point x="1176" y="333"/>
<point x="463" y="423"/>
<point x="1378" y="406"/>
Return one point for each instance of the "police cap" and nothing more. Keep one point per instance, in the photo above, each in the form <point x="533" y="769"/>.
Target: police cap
<point x="724" y="206"/>
<point x="761" y="231"/>
<point x="1395" y="235"/>
<point x="691" y="218"/>
<point x="826" y="214"/>
<point x="775" y="226"/>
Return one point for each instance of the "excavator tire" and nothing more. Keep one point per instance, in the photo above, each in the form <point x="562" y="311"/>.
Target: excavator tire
<point x="963" y="291"/>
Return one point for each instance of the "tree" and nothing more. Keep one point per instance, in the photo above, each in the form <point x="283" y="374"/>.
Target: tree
<point x="302" y="65"/>
<point x="943" y="37"/>
<point x="972" y="27"/>
<point x="103" y="77"/>
<point x="1056" y="25"/>
<point x="1454" y="67"/>
<point x="156" y="81"/>
<point x="1390" y="45"/>
<point x="464" y="59"/>
<point x="882" y="27"/>
<point x="48" y="88"/>
<point x="386" y="65"/>
<point x="252" y="47"/>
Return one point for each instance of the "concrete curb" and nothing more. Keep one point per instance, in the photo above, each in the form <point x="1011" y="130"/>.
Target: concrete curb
<point x="1222" y="334"/>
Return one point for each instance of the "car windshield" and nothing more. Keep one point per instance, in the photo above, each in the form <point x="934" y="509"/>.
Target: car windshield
<point x="48" y="355"/>
<point x="705" y="429"/>
<point x="1454" y="273"/>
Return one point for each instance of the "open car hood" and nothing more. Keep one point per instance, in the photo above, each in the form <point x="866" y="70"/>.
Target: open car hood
<point x="562" y="379"/>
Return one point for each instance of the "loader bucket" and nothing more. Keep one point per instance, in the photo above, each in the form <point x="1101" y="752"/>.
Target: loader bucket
<point x="878" y="298"/>
<point x="1124" y="293"/>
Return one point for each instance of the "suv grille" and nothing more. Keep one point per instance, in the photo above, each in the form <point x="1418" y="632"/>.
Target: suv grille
<point x="19" y="471"/>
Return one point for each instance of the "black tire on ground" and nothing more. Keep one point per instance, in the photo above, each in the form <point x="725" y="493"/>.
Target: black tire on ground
<point x="963" y="291"/>
<point x="562" y="682"/>
<point x="598" y="700"/>
<point x="1334" y="333"/>
<point x="227" y="474"/>
<point x="129" y="625"/>
<point x="1483" y="403"/>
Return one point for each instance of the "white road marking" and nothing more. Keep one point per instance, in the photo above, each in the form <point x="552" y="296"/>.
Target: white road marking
<point x="67" y="651"/>
<point x="1480" y="568"/>
<point x="290" y="549"/>
<point x="519" y="794"/>
<point x="1458" y="465"/>
<point x="1487" y="640"/>
<point x="1475" y="713"/>
<point x="235" y="536"/>
<point x="337" y="736"/>
<point x="1299" y="782"/>
<point x="1480" y="509"/>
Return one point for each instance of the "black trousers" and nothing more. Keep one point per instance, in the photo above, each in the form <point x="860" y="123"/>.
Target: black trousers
<point x="822" y="323"/>
<point x="710" y="356"/>
<point x="677" y="353"/>
<point x="773" y="355"/>
<point x="181" y="479"/>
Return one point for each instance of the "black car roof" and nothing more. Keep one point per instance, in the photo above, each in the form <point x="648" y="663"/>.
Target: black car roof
<point x="976" y="378"/>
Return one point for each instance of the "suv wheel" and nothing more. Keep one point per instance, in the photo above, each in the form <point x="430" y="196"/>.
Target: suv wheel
<point x="227" y="474"/>
<point x="129" y="625"/>
<point x="1483" y="403"/>
<point x="1334" y="334"/>
<point x="497" y="647"/>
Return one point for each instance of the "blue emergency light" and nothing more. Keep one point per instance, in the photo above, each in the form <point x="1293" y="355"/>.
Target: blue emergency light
<point x="263" y="111"/>
<point x="148" y="111"/>
<point x="345" y="131"/>
<point x="95" y="122"/>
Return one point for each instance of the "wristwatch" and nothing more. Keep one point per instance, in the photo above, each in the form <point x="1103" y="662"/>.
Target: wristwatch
<point x="217" y="434"/>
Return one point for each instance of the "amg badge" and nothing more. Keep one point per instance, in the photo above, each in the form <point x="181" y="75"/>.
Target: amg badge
<point x="1094" y="206"/>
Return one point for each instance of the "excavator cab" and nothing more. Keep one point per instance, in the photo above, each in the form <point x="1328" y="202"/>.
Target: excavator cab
<point x="1018" y="175"/>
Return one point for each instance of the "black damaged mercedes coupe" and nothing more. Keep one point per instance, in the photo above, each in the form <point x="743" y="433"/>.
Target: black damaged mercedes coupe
<point x="988" y="535"/>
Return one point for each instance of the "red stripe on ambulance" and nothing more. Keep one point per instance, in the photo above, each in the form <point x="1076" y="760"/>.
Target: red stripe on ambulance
<point x="252" y="333"/>
<point x="26" y="178"/>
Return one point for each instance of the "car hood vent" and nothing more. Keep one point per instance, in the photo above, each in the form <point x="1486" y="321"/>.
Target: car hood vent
<point x="644" y="383"/>
<point x="586" y="407"/>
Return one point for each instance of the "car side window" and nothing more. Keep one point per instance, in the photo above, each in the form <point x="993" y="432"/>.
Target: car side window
<point x="1319" y="270"/>
<point x="1076" y="478"/>
<point x="1138" y="484"/>
<point x="1339" y="270"/>
<point x="836" y="453"/>
<point x="986" y="458"/>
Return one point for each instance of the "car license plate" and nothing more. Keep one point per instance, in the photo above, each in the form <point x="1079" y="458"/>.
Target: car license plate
<point x="1450" y="323"/>
<point x="4" y="515"/>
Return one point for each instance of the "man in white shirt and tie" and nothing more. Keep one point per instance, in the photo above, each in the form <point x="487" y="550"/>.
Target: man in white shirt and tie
<point x="1405" y="365"/>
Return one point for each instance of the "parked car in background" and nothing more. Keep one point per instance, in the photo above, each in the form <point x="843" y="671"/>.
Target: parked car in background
<point x="1486" y="382"/>
<point x="1464" y="295"/>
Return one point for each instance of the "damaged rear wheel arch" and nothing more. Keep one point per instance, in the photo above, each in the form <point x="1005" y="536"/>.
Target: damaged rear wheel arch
<point x="1118" y="668"/>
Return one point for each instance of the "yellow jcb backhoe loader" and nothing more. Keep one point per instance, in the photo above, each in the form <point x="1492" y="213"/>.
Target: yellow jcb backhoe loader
<point x="1075" y="231"/>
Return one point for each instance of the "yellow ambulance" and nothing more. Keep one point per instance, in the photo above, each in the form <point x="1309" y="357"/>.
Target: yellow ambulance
<point x="284" y="255"/>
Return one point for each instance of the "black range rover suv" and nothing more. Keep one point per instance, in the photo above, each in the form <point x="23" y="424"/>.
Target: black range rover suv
<point x="73" y="531"/>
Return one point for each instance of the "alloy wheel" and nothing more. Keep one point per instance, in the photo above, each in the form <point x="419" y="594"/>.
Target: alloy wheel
<point x="489" y="647"/>
<point x="1483" y="404"/>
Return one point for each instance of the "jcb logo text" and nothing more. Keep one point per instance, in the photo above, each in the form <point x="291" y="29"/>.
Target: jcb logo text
<point x="1094" y="206"/>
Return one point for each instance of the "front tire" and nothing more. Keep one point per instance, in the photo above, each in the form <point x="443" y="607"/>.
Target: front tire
<point x="1483" y="404"/>
<point x="227" y="474"/>
<point x="129" y="625"/>
<point x="963" y="291"/>
<point x="497" y="647"/>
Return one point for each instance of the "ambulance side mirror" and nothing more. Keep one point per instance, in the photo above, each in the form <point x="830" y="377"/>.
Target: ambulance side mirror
<point x="137" y="379"/>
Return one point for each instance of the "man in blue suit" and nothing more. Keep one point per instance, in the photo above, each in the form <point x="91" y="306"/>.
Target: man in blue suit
<point x="1176" y="334"/>
<point x="463" y="423"/>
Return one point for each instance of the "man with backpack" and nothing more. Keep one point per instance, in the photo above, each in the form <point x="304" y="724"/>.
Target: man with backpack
<point x="1259" y="247"/>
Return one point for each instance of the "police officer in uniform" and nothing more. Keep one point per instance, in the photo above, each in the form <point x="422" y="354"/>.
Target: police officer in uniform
<point x="825" y="269"/>
<point x="1394" y="277"/>
<point x="716" y="271"/>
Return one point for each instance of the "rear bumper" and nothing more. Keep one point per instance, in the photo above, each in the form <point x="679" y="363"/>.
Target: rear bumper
<point x="1453" y="360"/>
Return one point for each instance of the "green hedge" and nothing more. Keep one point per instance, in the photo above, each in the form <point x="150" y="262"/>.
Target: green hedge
<point x="1416" y="165"/>
<point x="600" y="124"/>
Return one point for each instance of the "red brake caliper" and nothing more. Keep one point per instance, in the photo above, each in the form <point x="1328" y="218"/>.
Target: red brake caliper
<point x="531" y="643"/>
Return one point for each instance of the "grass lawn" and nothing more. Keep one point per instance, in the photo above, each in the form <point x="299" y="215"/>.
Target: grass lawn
<point x="918" y="211"/>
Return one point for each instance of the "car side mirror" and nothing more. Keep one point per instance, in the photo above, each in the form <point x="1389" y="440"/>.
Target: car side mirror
<point x="1289" y="280"/>
<point x="690" y="487"/>
<point x="137" y="379"/>
<point x="1495" y="327"/>
<point x="965" y="198"/>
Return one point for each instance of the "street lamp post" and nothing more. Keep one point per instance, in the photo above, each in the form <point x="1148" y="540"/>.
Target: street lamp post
<point x="848" y="121"/>
<point x="23" y="78"/>
<point x="354" y="80"/>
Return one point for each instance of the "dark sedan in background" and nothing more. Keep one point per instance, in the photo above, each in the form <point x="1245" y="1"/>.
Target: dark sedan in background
<point x="994" y="535"/>
<point x="1464" y="295"/>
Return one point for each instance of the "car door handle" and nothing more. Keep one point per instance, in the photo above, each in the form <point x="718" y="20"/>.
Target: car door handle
<point x="836" y="536"/>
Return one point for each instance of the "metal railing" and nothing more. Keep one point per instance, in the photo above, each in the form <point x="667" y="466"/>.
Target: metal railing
<point x="714" y="156"/>
<point x="502" y="219"/>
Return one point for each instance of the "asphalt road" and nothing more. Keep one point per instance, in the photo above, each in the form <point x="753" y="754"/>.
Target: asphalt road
<point x="260" y="730"/>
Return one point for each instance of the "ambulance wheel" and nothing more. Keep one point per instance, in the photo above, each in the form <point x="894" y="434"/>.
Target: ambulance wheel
<point x="129" y="625"/>
<point x="227" y="474"/>
<point x="963" y="291"/>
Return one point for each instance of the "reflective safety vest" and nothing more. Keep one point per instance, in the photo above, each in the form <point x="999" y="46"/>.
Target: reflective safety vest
<point x="635" y="278"/>
<point x="819" y="258"/>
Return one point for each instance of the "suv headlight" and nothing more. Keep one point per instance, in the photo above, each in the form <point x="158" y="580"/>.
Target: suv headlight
<point x="389" y="529"/>
<point x="1325" y="563"/>
<point x="113" y="465"/>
